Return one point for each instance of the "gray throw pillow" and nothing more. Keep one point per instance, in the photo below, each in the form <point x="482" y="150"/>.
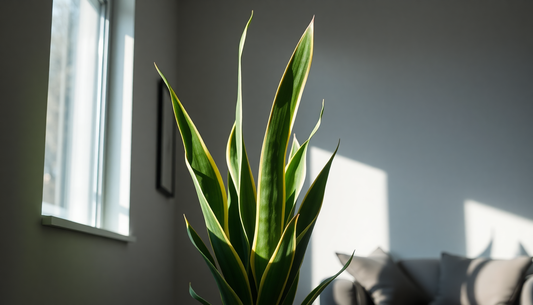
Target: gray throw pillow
<point x="479" y="281"/>
<point x="383" y="279"/>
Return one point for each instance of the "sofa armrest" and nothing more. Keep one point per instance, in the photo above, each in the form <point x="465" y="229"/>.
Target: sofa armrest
<point x="526" y="296"/>
<point x="344" y="292"/>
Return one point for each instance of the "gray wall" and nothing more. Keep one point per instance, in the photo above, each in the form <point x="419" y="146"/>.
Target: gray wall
<point x="42" y="265"/>
<point x="436" y="94"/>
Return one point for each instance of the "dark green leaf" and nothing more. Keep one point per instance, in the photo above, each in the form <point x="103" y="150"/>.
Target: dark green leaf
<point x="296" y="170"/>
<point x="236" y="232"/>
<point x="239" y="169"/>
<point x="288" y="298"/>
<point x="278" y="268"/>
<point x="195" y="296"/>
<point x="213" y="200"/>
<point x="316" y="292"/>
<point x="309" y="210"/>
<point x="229" y="297"/>
<point x="201" y="165"/>
<point x="294" y="147"/>
<point x="271" y="181"/>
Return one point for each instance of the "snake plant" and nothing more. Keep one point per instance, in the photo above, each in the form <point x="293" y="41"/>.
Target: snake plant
<point x="256" y="234"/>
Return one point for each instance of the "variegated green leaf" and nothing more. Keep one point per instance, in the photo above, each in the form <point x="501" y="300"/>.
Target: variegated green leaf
<point x="228" y="259"/>
<point x="239" y="169"/>
<point x="195" y="296"/>
<point x="296" y="170"/>
<point x="202" y="166"/>
<point x="316" y="292"/>
<point x="308" y="212"/>
<point x="312" y="202"/>
<point x="271" y="180"/>
<point x="229" y="297"/>
<point x="301" y="246"/>
<point x="209" y="188"/>
<point x="288" y="298"/>
<point x="278" y="268"/>
<point x="237" y="236"/>
<point x="245" y="199"/>
<point x="294" y="148"/>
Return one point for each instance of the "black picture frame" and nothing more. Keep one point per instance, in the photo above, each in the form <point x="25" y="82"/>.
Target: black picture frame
<point x="166" y="143"/>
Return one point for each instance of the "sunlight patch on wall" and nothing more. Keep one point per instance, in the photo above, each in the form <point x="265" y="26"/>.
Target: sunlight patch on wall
<point x="354" y="214"/>
<point x="496" y="233"/>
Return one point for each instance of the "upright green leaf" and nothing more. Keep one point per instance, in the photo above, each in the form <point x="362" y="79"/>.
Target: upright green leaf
<point x="277" y="271"/>
<point x="241" y="173"/>
<point x="308" y="211"/>
<point x="296" y="170"/>
<point x="230" y="264"/>
<point x="271" y="180"/>
<point x="288" y="298"/>
<point x="197" y="157"/>
<point x="312" y="202"/>
<point x="294" y="148"/>
<point x="212" y="198"/>
<point x="237" y="236"/>
<point x="229" y="297"/>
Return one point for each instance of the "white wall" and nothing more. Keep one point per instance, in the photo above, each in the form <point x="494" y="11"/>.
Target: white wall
<point x="434" y="97"/>
<point x="43" y="265"/>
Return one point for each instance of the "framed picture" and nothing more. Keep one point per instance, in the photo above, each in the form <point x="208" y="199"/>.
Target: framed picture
<point x="166" y="142"/>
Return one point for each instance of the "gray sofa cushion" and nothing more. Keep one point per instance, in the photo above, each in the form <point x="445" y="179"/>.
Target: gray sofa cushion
<point x="479" y="281"/>
<point x="526" y="296"/>
<point x="424" y="273"/>
<point x="383" y="279"/>
<point x="344" y="292"/>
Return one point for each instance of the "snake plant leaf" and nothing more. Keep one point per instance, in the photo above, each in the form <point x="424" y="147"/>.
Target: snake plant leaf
<point x="195" y="296"/>
<point x="294" y="148"/>
<point x="311" y="297"/>
<point x="288" y="298"/>
<point x="301" y="245"/>
<point x="245" y="194"/>
<point x="278" y="268"/>
<point x="270" y="217"/>
<point x="237" y="235"/>
<point x="239" y="166"/>
<point x="308" y="211"/>
<point x="209" y="188"/>
<point x="312" y="202"/>
<point x="229" y="297"/>
<point x="227" y="257"/>
<point x="296" y="171"/>
<point x="201" y="165"/>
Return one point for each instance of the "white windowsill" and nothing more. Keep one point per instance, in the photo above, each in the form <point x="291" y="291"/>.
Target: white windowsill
<point x="53" y="221"/>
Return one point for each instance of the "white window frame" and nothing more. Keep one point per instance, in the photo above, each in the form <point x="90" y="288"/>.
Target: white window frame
<point x="112" y="182"/>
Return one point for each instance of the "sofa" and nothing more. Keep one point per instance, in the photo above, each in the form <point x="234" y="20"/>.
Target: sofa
<point x="450" y="280"/>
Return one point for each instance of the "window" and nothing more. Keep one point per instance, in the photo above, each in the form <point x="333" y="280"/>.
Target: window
<point x="86" y="173"/>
